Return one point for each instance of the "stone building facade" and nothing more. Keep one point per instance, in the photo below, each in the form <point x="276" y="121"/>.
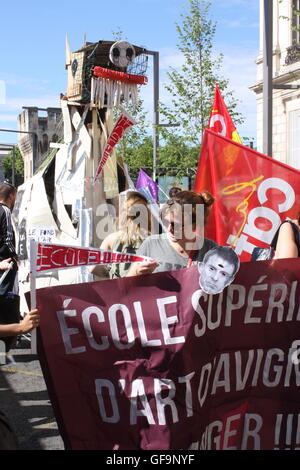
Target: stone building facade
<point x="286" y="71"/>
<point x="44" y="129"/>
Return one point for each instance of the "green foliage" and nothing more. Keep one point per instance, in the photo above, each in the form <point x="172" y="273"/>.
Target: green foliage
<point x="192" y="87"/>
<point x="7" y="164"/>
<point x="135" y="147"/>
<point x="176" y="157"/>
<point x="118" y="34"/>
<point x="138" y="154"/>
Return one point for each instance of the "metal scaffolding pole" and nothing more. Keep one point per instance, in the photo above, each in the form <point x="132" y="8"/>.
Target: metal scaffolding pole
<point x="155" y="55"/>
<point x="267" y="77"/>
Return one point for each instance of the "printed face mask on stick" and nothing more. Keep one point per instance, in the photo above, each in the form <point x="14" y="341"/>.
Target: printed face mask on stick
<point x="218" y="269"/>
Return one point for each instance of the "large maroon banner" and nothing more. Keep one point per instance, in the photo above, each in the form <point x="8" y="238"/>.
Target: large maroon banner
<point x="154" y="363"/>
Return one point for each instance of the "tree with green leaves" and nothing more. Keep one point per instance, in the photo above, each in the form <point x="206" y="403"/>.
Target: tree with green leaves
<point x="192" y="86"/>
<point x="135" y="147"/>
<point x="14" y="160"/>
<point x="177" y="158"/>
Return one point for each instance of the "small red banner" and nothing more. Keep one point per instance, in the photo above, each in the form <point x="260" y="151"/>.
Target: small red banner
<point x="124" y="122"/>
<point x="50" y="257"/>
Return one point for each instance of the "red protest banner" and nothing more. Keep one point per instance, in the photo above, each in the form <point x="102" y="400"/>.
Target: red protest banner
<point x="154" y="363"/>
<point x="124" y="122"/>
<point x="253" y="193"/>
<point x="50" y="257"/>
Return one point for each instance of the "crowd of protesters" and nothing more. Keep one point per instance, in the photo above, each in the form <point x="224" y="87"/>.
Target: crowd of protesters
<point x="181" y="244"/>
<point x="11" y="322"/>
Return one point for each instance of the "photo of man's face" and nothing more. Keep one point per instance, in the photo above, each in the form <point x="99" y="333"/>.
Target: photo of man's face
<point x="216" y="272"/>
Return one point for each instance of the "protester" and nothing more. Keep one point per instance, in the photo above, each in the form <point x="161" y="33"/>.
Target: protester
<point x="7" y="237"/>
<point x="8" y="440"/>
<point x="135" y="223"/>
<point x="9" y="289"/>
<point x="173" y="191"/>
<point x="31" y="320"/>
<point x="288" y="241"/>
<point x="5" y="264"/>
<point x="184" y="242"/>
<point x="285" y="243"/>
<point x="218" y="269"/>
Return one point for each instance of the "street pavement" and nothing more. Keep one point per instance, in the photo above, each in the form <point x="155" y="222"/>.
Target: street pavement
<point x="25" y="401"/>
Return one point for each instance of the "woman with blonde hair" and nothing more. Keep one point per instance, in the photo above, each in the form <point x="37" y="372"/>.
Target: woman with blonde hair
<point x="134" y="227"/>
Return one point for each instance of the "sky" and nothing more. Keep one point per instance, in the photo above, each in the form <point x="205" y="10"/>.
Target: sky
<point x="32" y="52"/>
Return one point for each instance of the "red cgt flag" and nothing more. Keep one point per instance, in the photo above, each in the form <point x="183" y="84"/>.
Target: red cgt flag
<point x="220" y="120"/>
<point x="253" y="193"/>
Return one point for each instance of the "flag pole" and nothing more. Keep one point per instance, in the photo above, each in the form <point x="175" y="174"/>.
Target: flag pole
<point x="215" y="192"/>
<point x="5" y="273"/>
<point x="33" y="261"/>
<point x="162" y="191"/>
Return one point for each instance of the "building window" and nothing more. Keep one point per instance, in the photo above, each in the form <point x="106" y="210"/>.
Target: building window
<point x="294" y="141"/>
<point x="296" y="22"/>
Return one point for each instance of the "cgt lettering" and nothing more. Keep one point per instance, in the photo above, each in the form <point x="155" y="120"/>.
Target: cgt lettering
<point x="271" y="214"/>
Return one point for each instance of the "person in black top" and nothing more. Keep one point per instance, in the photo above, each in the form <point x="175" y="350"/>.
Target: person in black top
<point x="287" y="244"/>
<point x="9" y="298"/>
<point x="8" y="439"/>
<point x="7" y="237"/>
